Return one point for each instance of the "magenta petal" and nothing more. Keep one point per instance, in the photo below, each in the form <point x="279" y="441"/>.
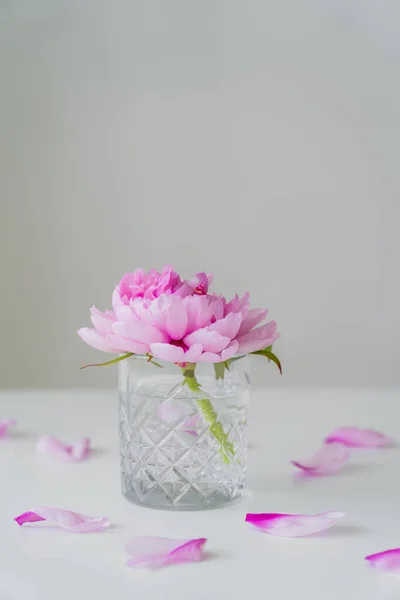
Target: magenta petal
<point x="5" y="424"/>
<point x="74" y="522"/>
<point x="51" y="445"/>
<point x="329" y="459"/>
<point x="155" y="552"/>
<point x="169" y="312"/>
<point x="387" y="561"/>
<point x="284" y="525"/>
<point x="356" y="437"/>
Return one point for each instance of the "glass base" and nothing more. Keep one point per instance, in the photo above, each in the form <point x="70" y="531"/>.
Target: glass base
<point x="159" y="501"/>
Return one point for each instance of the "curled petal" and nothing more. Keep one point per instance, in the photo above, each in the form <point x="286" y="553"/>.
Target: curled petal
<point x="155" y="552"/>
<point x="387" y="561"/>
<point x="5" y="424"/>
<point x="193" y="354"/>
<point x="98" y="341"/>
<point x="74" y="522"/>
<point x="229" y="326"/>
<point x="169" y="312"/>
<point x="329" y="459"/>
<point x="128" y="345"/>
<point x="210" y="357"/>
<point x="284" y="525"/>
<point x="167" y="352"/>
<point x="101" y="321"/>
<point x="355" y="437"/>
<point x="139" y="331"/>
<point x="229" y="351"/>
<point x="253" y="317"/>
<point x="199" y="312"/>
<point x="212" y="341"/>
<point x="61" y="451"/>
<point x="116" y="299"/>
<point x="258" y="338"/>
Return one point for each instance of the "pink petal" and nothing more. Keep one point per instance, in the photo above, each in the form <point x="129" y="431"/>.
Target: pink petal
<point x="229" y="326"/>
<point x="199" y="312"/>
<point x="61" y="451"/>
<point x="116" y="299"/>
<point x="387" y="561"/>
<point x="96" y="340"/>
<point x="101" y="321"/>
<point x="253" y="317"/>
<point x="66" y="519"/>
<point x="326" y="461"/>
<point x="170" y="315"/>
<point x="193" y="354"/>
<point x="355" y="437"/>
<point x="229" y="351"/>
<point x="210" y="357"/>
<point x="5" y="424"/>
<point x="139" y="331"/>
<point x="126" y="345"/>
<point x="258" y="338"/>
<point x="172" y="411"/>
<point x="155" y="552"/>
<point x="284" y="525"/>
<point x="212" y="341"/>
<point x="167" y="352"/>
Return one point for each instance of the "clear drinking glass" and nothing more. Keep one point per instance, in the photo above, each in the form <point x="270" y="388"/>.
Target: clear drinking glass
<point x="183" y="432"/>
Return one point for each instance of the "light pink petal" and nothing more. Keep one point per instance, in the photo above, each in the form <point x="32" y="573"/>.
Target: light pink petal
<point x="155" y="552"/>
<point x="116" y="299"/>
<point x="66" y="519"/>
<point x="199" y="312"/>
<point x="217" y="307"/>
<point x="387" y="561"/>
<point x="329" y="459"/>
<point x="5" y="424"/>
<point x="210" y="357"/>
<point x="96" y="340"/>
<point x="284" y="525"/>
<point x="253" y="317"/>
<point x="238" y="304"/>
<point x="191" y="424"/>
<point x="355" y="437"/>
<point x="229" y="351"/>
<point x="68" y="453"/>
<point x="81" y="449"/>
<point x="258" y="338"/>
<point x="212" y="341"/>
<point x="126" y="345"/>
<point x="123" y="313"/>
<point x="170" y="315"/>
<point x="139" y="331"/>
<point x="193" y="354"/>
<point x="167" y="352"/>
<point x="229" y="326"/>
<point x="101" y="321"/>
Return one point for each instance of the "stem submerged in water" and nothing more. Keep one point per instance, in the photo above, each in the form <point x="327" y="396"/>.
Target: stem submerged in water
<point x="210" y="416"/>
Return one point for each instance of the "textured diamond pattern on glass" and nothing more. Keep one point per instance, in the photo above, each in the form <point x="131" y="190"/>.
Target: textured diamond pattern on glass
<point x="169" y="457"/>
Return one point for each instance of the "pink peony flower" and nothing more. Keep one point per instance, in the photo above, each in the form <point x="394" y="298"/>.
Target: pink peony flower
<point x="177" y="321"/>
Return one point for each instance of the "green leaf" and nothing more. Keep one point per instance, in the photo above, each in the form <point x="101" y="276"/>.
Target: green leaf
<point x="110" y="362"/>
<point x="271" y="356"/>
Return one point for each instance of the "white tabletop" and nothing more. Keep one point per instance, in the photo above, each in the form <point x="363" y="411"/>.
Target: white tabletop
<point x="44" y="563"/>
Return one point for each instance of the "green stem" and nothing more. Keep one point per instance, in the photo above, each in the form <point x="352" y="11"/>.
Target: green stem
<point x="210" y="416"/>
<point x="219" y="369"/>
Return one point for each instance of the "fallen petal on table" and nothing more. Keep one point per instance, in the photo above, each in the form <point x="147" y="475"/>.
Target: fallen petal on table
<point x="356" y="437"/>
<point x="69" y="453"/>
<point x="67" y="519"/>
<point x="156" y="552"/>
<point x="328" y="460"/>
<point x="293" y="525"/>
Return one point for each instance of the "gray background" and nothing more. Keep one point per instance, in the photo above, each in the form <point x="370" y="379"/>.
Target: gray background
<point x="256" y="139"/>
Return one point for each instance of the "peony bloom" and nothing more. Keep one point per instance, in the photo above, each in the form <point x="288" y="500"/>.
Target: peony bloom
<point x="177" y="321"/>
